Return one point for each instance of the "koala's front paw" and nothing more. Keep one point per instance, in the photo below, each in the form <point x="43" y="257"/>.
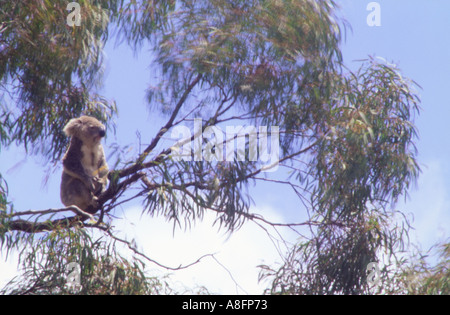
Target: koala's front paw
<point x="93" y="206"/>
<point x="94" y="202"/>
<point x="98" y="186"/>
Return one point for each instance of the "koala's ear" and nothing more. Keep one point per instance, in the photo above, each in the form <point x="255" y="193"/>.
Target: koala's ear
<point x="72" y="126"/>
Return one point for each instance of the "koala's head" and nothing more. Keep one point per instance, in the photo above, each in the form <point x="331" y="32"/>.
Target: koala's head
<point x="87" y="129"/>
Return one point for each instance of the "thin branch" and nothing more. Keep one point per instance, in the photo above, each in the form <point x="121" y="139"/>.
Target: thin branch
<point x="230" y="274"/>
<point x="133" y="249"/>
<point x="74" y="209"/>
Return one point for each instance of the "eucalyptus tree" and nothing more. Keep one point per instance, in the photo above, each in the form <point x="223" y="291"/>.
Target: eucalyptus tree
<point x="346" y="138"/>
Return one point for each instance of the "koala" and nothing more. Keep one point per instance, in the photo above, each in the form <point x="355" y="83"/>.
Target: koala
<point x="85" y="170"/>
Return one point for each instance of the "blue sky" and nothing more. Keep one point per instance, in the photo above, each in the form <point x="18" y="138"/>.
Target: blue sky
<point x="413" y="34"/>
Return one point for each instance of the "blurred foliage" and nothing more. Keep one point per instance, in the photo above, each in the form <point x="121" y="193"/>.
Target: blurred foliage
<point x="271" y="57"/>
<point x="102" y="271"/>
<point x="423" y="277"/>
<point x="364" y="162"/>
<point x="273" y="62"/>
<point x="48" y="70"/>
<point x="368" y="155"/>
<point x="335" y="259"/>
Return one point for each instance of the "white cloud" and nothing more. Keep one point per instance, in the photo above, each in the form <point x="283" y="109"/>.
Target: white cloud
<point x="8" y="269"/>
<point x="238" y="254"/>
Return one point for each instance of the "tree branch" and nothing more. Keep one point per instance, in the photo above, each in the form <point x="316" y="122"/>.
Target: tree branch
<point x="27" y="226"/>
<point x="37" y="227"/>
<point x="74" y="209"/>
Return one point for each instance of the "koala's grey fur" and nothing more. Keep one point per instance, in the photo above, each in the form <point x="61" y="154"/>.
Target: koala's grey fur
<point x="85" y="170"/>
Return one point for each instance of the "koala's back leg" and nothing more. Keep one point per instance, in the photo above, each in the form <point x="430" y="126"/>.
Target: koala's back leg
<point x="74" y="192"/>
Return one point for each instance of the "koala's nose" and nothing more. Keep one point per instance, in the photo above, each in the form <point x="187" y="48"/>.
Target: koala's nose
<point x="102" y="133"/>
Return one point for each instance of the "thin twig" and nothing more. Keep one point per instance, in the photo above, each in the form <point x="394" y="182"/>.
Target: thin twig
<point x="137" y="252"/>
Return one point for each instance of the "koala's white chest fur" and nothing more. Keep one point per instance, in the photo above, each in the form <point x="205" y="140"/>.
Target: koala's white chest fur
<point x="92" y="156"/>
